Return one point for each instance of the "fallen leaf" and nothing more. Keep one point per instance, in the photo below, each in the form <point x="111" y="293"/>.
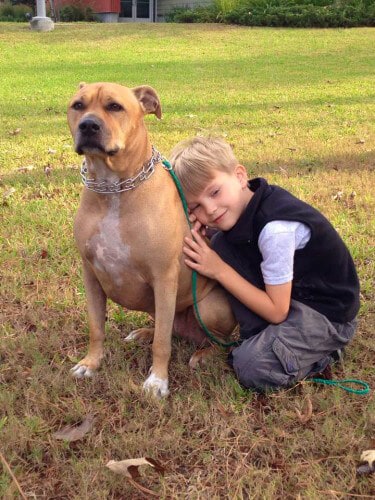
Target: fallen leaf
<point x="283" y="171"/>
<point x="8" y="193"/>
<point x="30" y="327"/>
<point x="26" y="168"/>
<point x="74" y="433"/>
<point x="48" y="170"/>
<point x="306" y="415"/>
<point x="129" y="468"/>
<point x="15" y="131"/>
<point x="52" y="151"/>
<point x="360" y="141"/>
<point x="43" y="254"/>
<point x="338" y="195"/>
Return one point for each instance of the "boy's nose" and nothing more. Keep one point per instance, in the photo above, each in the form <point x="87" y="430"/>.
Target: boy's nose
<point x="211" y="209"/>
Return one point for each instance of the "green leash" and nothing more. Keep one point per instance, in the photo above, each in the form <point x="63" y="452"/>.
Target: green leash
<point x="194" y="277"/>
<point x="342" y="384"/>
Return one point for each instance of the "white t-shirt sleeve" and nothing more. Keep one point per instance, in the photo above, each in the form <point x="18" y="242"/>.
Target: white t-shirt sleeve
<point x="277" y="243"/>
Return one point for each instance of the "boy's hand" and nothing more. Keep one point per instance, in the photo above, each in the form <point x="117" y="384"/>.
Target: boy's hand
<point x="197" y="226"/>
<point x="201" y="257"/>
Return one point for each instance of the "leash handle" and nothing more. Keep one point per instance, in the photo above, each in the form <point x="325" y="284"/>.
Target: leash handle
<point x="194" y="277"/>
<point x="345" y="385"/>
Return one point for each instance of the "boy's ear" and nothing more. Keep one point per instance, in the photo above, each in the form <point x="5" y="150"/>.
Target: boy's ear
<point x="241" y="174"/>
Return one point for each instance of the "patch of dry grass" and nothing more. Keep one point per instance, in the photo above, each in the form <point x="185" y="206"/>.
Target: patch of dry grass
<point x="214" y="439"/>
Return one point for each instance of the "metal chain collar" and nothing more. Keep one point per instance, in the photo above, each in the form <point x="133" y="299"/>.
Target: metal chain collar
<point x="105" y="187"/>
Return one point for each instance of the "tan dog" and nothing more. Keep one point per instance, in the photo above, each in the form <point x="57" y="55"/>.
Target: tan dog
<point x="130" y="227"/>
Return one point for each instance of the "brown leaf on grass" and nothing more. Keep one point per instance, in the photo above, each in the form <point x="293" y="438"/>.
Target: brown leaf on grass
<point x="223" y="411"/>
<point x="43" y="253"/>
<point x="8" y="193"/>
<point x="283" y="171"/>
<point x="129" y="468"/>
<point x="26" y="168"/>
<point x="306" y="415"/>
<point x="338" y="196"/>
<point x="75" y="432"/>
<point x="16" y="131"/>
<point x="47" y="170"/>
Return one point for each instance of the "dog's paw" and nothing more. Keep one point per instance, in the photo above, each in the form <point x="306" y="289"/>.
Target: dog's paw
<point x="156" y="386"/>
<point x="200" y="357"/>
<point x="81" y="371"/>
<point x="140" y="335"/>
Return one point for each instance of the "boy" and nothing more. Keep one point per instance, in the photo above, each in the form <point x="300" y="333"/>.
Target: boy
<point x="290" y="279"/>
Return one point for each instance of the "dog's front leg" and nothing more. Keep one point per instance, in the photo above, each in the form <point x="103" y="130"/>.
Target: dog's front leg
<point x="96" y="308"/>
<point x="165" y="291"/>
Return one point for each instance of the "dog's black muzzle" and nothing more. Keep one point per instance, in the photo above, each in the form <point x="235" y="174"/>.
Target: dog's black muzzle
<point x="89" y="127"/>
<point x="89" y="135"/>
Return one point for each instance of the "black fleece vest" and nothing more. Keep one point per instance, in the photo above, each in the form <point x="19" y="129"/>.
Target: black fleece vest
<point x="325" y="278"/>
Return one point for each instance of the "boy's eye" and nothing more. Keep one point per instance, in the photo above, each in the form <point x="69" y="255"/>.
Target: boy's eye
<point x="193" y="208"/>
<point x="215" y="192"/>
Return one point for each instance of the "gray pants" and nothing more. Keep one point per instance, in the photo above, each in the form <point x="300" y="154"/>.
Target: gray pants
<point x="282" y="354"/>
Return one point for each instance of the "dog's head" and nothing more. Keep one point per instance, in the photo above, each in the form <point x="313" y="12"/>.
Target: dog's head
<point x="104" y="118"/>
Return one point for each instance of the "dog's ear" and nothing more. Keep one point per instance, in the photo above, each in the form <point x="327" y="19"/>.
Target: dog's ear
<point x="148" y="99"/>
<point x="81" y="84"/>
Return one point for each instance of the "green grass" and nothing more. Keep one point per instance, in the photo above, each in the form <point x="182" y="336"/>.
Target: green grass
<point x="298" y="106"/>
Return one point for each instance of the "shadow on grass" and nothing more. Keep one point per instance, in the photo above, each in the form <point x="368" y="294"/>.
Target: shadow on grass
<point x="62" y="177"/>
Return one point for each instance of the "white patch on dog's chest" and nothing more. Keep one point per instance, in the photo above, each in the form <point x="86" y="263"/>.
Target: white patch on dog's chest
<point x="106" y="250"/>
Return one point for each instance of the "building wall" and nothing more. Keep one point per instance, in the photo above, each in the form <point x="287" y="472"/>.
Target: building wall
<point x="165" y="6"/>
<point x="109" y="9"/>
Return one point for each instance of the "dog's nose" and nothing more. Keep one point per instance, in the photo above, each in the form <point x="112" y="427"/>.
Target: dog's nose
<point x="89" y="127"/>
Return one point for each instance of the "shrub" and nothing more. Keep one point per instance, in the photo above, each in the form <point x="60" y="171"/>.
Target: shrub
<point x="193" y="15"/>
<point x="288" y="13"/>
<point x="14" y="13"/>
<point x="73" y="13"/>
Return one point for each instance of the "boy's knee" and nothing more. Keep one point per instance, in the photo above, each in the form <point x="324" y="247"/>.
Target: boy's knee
<point x="259" y="370"/>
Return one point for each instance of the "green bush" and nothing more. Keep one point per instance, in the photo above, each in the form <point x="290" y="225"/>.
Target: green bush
<point x="193" y="15"/>
<point x="14" y="13"/>
<point x="74" y="13"/>
<point x="288" y="13"/>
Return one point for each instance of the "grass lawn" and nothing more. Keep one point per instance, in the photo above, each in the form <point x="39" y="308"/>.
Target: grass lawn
<point x="298" y="107"/>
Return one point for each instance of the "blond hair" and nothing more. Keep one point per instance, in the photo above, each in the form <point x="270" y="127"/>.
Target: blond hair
<point x="195" y="161"/>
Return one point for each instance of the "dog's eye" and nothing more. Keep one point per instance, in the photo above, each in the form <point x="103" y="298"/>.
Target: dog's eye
<point x="77" y="105"/>
<point x="113" y="106"/>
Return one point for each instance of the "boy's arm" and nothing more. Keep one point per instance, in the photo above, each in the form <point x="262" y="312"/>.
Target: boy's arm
<point x="272" y="304"/>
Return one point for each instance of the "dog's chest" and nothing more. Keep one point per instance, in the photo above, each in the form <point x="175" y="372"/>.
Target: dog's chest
<point x="106" y="250"/>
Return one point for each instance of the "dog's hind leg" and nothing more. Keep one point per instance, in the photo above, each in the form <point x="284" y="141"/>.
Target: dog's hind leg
<point x="143" y="335"/>
<point x="96" y="307"/>
<point x="218" y="318"/>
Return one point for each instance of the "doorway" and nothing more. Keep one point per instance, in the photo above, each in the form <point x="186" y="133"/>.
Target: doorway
<point x="136" y="11"/>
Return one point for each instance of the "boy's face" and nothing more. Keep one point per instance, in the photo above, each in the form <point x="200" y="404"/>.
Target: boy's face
<point x="223" y="200"/>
